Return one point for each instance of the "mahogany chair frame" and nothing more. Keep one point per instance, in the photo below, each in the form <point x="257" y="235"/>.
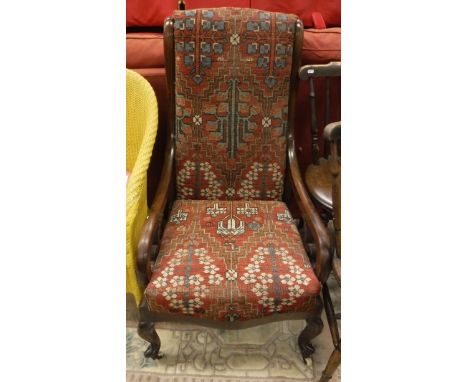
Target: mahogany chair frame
<point x="152" y="230"/>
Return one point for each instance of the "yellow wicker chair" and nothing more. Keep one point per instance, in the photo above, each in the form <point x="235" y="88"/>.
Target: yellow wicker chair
<point x="142" y="125"/>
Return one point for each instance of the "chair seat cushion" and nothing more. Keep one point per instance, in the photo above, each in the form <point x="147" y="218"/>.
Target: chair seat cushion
<point x="231" y="260"/>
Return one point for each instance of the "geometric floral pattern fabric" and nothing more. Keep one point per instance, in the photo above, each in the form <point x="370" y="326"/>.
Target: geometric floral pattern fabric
<point x="231" y="260"/>
<point x="233" y="69"/>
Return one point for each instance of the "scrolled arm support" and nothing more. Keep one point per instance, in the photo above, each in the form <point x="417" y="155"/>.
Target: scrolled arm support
<point x="154" y="220"/>
<point x="311" y="216"/>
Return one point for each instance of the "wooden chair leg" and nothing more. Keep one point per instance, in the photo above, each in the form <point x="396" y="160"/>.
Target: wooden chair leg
<point x="312" y="330"/>
<point x="335" y="358"/>
<point x="333" y="363"/>
<point x="147" y="332"/>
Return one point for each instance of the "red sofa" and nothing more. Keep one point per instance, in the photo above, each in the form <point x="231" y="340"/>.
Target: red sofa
<point x="322" y="44"/>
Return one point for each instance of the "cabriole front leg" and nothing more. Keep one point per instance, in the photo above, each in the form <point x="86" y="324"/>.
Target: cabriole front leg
<point x="313" y="329"/>
<point x="147" y="332"/>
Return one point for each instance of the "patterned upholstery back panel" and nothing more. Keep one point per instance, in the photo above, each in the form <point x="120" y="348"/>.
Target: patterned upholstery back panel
<point x="233" y="69"/>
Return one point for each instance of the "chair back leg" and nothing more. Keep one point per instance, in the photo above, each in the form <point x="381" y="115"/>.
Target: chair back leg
<point x="332" y="364"/>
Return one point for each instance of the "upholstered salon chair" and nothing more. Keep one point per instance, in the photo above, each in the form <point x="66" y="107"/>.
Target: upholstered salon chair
<point x="228" y="254"/>
<point x="142" y="125"/>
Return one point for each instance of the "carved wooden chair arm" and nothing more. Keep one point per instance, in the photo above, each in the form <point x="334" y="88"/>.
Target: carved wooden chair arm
<point x="154" y="220"/>
<point x="332" y="132"/>
<point x="311" y="217"/>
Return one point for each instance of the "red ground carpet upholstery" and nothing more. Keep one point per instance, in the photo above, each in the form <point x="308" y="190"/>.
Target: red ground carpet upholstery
<point x="231" y="260"/>
<point x="231" y="118"/>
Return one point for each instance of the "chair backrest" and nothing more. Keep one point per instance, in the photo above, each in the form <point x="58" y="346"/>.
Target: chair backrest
<point x="311" y="72"/>
<point x="233" y="72"/>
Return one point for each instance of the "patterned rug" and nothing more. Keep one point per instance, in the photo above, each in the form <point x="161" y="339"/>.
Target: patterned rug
<point x="195" y="354"/>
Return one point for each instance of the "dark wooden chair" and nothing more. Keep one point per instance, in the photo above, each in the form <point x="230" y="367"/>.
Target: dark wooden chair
<point x="323" y="180"/>
<point x="332" y="134"/>
<point x="318" y="174"/>
<point x="219" y="247"/>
